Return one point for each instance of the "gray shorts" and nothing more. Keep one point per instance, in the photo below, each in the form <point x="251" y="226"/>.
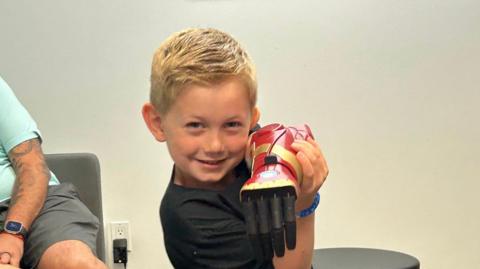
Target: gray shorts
<point x="63" y="217"/>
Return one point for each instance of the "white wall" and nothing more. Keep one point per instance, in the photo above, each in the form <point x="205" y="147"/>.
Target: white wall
<point x="391" y="89"/>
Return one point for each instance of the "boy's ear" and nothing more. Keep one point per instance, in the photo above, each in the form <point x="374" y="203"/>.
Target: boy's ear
<point x="255" y="117"/>
<point x="153" y="120"/>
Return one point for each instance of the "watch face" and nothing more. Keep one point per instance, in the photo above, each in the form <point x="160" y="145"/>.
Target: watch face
<point x="13" y="226"/>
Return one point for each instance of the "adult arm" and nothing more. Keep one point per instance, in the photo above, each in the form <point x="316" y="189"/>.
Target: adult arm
<point x="28" y="196"/>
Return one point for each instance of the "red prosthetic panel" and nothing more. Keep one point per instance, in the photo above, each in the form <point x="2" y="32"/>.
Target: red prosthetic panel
<point x="275" y="168"/>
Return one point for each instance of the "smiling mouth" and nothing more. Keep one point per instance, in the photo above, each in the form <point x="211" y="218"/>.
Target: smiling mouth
<point x="211" y="162"/>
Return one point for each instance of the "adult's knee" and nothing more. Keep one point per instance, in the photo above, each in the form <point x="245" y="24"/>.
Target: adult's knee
<point x="77" y="262"/>
<point x="69" y="254"/>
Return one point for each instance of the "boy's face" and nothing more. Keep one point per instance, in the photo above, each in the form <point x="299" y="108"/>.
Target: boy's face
<point x="206" y="131"/>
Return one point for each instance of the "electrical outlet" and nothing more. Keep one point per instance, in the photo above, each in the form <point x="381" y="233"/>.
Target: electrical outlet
<point x="121" y="230"/>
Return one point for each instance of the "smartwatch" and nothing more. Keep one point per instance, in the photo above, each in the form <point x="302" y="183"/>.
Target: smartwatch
<point x="15" y="228"/>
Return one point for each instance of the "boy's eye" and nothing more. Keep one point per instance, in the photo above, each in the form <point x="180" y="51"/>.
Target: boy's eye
<point x="233" y="124"/>
<point x="194" y="125"/>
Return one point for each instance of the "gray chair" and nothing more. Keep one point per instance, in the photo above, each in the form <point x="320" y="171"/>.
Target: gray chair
<point x="362" y="258"/>
<point x="83" y="170"/>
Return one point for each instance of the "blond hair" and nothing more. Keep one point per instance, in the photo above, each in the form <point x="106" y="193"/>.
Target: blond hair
<point x="198" y="56"/>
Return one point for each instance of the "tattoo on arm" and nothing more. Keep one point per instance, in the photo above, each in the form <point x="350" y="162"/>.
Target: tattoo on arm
<point x="32" y="175"/>
<point x="22" y="149"/>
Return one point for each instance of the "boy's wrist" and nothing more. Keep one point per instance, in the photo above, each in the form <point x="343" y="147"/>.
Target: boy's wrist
<point x="311" y="209"/>
<point x="304" y="202"/>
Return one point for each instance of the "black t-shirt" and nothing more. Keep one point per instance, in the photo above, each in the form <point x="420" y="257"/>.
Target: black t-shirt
<point x="206" y="228"/>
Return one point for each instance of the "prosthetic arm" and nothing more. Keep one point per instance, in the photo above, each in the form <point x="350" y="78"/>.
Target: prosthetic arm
<point x="268" y="197"/>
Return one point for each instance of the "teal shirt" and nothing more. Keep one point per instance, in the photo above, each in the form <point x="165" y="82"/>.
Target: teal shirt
<point x="16" y="126"/>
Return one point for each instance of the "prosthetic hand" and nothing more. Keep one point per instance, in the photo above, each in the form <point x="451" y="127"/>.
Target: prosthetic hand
<point x="268" y="197"/>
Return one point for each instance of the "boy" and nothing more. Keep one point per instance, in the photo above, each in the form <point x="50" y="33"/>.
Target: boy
<point x="202" y="104"/>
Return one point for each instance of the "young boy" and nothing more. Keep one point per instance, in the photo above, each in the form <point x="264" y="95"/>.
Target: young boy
<point x="202" y="104"/>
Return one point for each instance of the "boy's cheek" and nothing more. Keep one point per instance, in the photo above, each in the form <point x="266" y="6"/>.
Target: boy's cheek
<point x="248" y="159"/>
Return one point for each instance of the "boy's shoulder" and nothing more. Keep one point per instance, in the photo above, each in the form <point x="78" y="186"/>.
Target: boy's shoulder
<point x="190" y="214"/>
<point x="183" y="203"/>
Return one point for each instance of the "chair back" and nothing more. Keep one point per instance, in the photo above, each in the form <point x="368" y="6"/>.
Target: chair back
<point x="83" y="171"/>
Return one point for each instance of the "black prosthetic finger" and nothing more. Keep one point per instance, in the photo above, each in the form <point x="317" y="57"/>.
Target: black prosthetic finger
<point x="290" y="221"/>
<point x="277" y="226"/>
<point x="264" y="227"/>
<point x="250" y="212"/>
<point x="291" y="234"/>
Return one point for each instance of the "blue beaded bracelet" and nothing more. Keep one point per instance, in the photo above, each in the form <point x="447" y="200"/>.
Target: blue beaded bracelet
<point x="311" y="209"/>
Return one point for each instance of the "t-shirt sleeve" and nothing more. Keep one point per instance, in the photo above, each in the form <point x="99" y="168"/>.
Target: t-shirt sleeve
<point x="16" y="124"/>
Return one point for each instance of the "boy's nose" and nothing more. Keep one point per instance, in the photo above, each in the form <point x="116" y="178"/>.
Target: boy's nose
<point x="214" y="144"/>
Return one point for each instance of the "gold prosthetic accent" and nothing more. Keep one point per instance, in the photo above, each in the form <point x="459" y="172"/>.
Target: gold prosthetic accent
<point x="284" y="154"/>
